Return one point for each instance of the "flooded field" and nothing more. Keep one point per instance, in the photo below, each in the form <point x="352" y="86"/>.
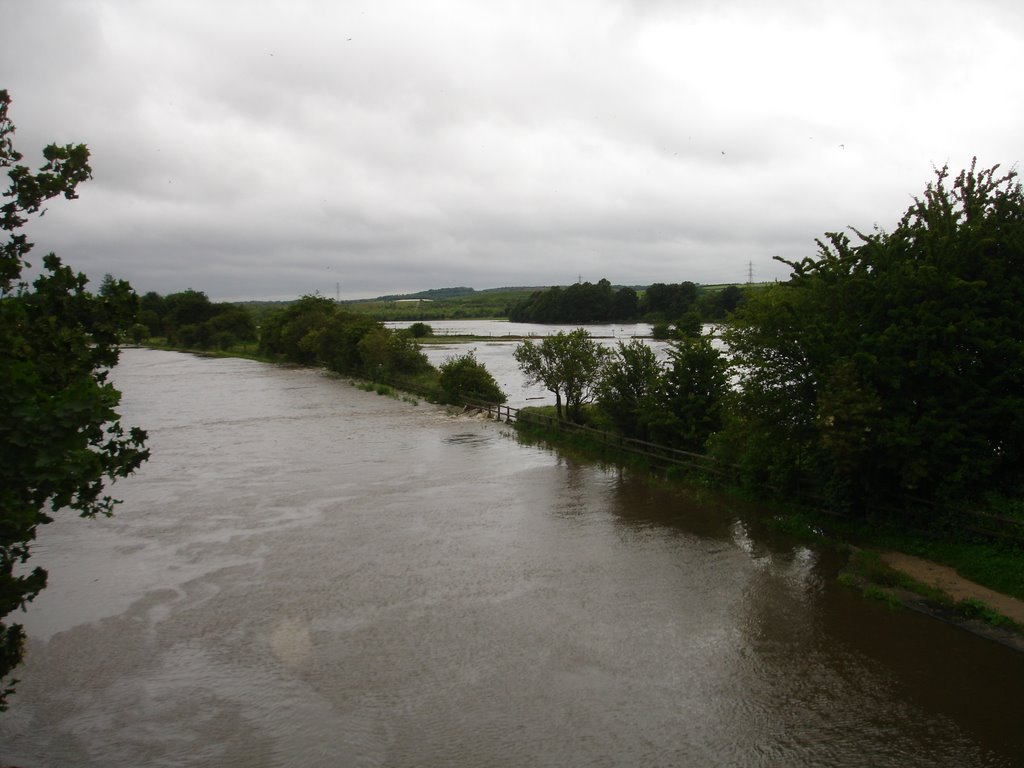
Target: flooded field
<point x="306" y="574"/>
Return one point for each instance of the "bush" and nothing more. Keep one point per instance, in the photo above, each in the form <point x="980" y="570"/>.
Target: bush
<point x="465" y="378"/>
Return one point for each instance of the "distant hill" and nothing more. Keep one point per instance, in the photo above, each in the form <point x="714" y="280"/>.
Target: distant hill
<point x="432" y="294"/>
<point x="443" y="303"/>
<point x="435" y="294"/>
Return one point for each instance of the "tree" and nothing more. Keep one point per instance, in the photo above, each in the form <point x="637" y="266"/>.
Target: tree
<point x="292" y="332"/>
<point x="578" y="303"/>
<point x="464" y="377"/>
<point x="152" y="312"/>
<point x="187" y="307"/>
<point x="894" y="365"/>
<point x="718" y="305"/>
<point x="568" y="364"/>
<point x="60" y="435"/>
<point x="386" y="353"/>
<point x="691" y="394"/>
<point x="229" y="325"/>
<point x="338" y="340"/>
<point x="629" y="386"/>
<point x="670" y="301"/>
<point x="625" y="304"/>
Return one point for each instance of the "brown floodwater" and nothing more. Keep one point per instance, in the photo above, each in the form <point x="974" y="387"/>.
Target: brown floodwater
<point x="307" y="574"/>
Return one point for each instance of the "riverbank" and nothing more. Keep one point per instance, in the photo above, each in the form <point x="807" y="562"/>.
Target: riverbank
<point x="876" y="568"/>
<point x="938" y="591"/>
<point x="959" y="589"/>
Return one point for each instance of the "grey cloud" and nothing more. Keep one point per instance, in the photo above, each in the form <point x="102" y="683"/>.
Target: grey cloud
<point x="269" y="149"/>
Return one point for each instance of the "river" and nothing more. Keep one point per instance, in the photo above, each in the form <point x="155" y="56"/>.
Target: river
<point x="307" y="574"/>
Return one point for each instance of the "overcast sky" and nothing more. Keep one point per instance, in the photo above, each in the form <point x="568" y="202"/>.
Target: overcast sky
<point x="272" y="149"/>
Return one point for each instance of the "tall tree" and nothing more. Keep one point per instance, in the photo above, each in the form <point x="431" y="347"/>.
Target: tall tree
<point x="60" y="434"/>
<point x="895" y="365"/>
<point x="691" y="394"/>
<point x="568" y="364"/>
<point x="629" y="387"/>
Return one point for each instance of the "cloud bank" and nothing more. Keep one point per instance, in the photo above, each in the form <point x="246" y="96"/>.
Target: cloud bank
<point x="271" y="149"/>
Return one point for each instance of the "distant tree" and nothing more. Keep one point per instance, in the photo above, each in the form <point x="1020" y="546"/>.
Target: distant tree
<point x="464" y="377"/>
<point x="61" y="439"/>
<point x="316" y="331"/>
<point x="578" y="303"/>
<point x="293" y="332"/>
<point x="229" y="325"/>
<point x="660" y="331"/>
<point x="386" y="353"/>
<point x="151" y="314"/>
<point x="187" y="307"/>
<point x="419" y="330"/>
<point x="567" y="364"/>
<point x="338" y="340"/>
<point x="729" y="299"/>
<point x="670" y="301"/>
<point x="689" y="325"/>
<point x="625" y="304"/>
<point x="717" y="305"/>
<point x="138" y="332"/>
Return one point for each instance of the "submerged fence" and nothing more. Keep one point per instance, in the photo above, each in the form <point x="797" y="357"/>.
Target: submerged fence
<point x="659" y="455"/>
<point x="924" y="517"/>
<point x="916" y="513"/>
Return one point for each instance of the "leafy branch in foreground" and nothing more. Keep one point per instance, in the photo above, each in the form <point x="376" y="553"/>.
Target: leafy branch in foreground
<point x="60" y="436"/>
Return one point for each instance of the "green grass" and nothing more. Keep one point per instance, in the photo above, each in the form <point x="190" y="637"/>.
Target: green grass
<point x="247" y="350"/>
<point x="884" y="596"/>
<point x="877" y="581"/>
<point x="998" y="566"/>
<point x="487" y="304"/>
<point x="870" y="567"/>
<point x="977" y="610"/>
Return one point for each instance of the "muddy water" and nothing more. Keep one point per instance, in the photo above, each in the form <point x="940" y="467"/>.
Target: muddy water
<point x="306" y="574"/>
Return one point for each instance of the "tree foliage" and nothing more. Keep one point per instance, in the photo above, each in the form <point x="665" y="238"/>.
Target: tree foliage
<point x="189" y="319"/>
<point x="629" y="387"/>
<point x="463" y="377"/>
<point x="577" y="303"/>
<point x="670" y="301"/>
<point x="61" y="438"/>
<point x="691" y="395"/>
<point x="568" y="364"/>
<point x="315" y="330"/>
<point x="894" y="364"/>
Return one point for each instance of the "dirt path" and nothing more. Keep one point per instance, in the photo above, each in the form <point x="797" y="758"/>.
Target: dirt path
<point x="956" y="586"/>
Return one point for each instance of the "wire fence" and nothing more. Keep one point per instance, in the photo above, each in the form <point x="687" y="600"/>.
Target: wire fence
<point x="917" y="514"/>
<point x="924" y="517"/>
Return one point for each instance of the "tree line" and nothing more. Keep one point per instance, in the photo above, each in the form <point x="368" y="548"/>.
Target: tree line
<point x="888" y="370"/>
<point x="318" y="331"/>
<point x="673" y="304"/>
<point x="189" y="319"/>
<point x="677" y="402"/>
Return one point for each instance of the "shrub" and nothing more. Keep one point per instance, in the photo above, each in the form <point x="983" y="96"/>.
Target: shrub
<point x="466" y="378"/>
